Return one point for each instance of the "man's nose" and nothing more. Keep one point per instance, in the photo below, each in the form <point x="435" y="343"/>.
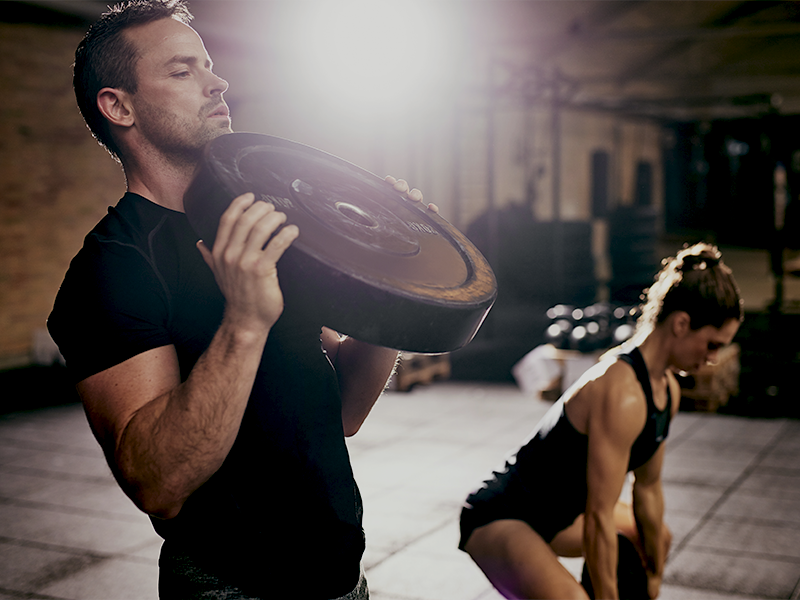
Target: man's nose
<point x="217" y="85"/>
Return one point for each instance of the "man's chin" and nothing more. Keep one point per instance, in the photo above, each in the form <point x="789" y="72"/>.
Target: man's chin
<point x="221" y="130"/>
<point x="211" y="134"/>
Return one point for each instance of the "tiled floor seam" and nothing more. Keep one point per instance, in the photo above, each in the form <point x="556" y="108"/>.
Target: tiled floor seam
<point x="64" y="569"/>
<point x="793" y="560"/>
<point x="71" y="510"/>
<point x="409" y="543"/>
<point x="674" y="441"/>
<point x="796" y="593"/>
<point x="59" y="475"/>
<point x="29" y="595"/>
<point x="746" y="472"/>
<point x="127" y="555"/>
<point x="40" y="446"/>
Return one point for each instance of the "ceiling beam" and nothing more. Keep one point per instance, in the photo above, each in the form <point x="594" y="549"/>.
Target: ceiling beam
<point x="736" y="13"/>
<point x="693" y="34"/>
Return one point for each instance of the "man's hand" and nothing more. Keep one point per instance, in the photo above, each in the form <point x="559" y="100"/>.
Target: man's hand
<point x="244" y="260"/>
<point x="401" y="185"/>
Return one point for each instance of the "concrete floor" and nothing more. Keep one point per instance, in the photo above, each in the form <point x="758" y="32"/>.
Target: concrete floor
<point x="732" y="488"/>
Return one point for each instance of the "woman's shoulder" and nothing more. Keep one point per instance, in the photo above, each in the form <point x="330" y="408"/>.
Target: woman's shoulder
<point x="617" y="382"/>
<point x="609" y="389"/>
<point x="611" y="371"/>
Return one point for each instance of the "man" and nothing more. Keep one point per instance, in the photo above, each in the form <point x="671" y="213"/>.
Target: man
<point x="221" y="412"/>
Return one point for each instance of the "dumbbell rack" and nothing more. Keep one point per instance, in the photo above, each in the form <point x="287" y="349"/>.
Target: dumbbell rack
<point x="416" y="369"/>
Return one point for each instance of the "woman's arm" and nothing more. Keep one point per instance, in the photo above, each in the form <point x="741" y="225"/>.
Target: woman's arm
<point x="648" y="510"/>
<point x="615" y="420"/>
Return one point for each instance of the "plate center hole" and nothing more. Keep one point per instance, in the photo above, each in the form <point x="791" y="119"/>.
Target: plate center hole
<point x="355" y="214"/>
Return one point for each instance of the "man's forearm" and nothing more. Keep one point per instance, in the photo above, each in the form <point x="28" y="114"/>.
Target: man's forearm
<point x="174" y="443"/>
<point x="363" y="371"/>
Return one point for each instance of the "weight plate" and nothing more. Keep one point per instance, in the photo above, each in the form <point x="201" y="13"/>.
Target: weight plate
<point x="369" y="262"/>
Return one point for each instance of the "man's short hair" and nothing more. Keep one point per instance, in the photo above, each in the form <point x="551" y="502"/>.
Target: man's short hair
<point x="105" y="58"/>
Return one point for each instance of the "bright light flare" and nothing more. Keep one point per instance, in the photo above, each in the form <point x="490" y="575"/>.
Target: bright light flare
<point x="378" y="56"/>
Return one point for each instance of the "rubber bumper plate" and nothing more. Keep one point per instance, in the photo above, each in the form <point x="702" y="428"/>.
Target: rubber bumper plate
<point x="370" y="263"/>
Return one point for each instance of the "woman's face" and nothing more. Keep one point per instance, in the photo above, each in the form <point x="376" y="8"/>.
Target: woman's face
<point x="701" y="346"/>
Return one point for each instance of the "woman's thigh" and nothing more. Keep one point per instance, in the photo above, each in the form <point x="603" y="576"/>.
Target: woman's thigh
<point x="519" y="563"/>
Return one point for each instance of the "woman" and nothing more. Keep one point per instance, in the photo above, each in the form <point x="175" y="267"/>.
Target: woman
<point x="559" y="494"/>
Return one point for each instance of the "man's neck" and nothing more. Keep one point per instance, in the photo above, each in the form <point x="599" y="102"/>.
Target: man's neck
<point x="164" y="184"/>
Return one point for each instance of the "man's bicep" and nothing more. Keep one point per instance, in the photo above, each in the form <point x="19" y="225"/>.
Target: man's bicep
<point x="113" y="396"/>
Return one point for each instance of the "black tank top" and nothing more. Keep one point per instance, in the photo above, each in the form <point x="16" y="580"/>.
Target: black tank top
<point x="544" y="483"/>
<point x="657" y="426"/>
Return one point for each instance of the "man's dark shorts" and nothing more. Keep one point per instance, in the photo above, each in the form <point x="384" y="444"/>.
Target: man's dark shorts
<point x="182" y="578"/>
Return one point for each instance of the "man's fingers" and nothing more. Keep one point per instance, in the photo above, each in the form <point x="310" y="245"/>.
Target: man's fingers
<point x="415" y="195"/>
<point x="280" y="242"/>
<point x="264" y="225"/>
<point x="247" y="230"/>
<point x="400" y="185"/>
<point x="253" y="226"/>
<point x="230" y="218"/>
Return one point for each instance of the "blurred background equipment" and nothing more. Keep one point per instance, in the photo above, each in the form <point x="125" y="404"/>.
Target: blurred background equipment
<point x="633" y="250"/>
<point x="573" y="341"/>
<point x="577" y="142"/>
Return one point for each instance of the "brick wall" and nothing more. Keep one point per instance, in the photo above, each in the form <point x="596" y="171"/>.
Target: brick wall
<point x="55" y="181"/>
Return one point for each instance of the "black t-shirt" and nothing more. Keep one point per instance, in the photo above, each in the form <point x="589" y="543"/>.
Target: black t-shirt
<point x="285" y="497"/>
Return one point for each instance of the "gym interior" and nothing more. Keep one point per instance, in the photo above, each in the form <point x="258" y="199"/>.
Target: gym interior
<point x="576" y="144"/>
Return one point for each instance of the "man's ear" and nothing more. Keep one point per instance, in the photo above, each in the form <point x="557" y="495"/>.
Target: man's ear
<point x="681" y="323"/>
<point x="114" y="104"/>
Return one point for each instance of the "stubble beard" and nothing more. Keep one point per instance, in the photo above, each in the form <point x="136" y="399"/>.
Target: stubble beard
<point x="181" y="141"/>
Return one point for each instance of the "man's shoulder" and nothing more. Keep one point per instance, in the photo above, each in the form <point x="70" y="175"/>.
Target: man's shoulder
<point x="131" y="221"/>
<point x="113" y="293"/>
<point x="119" y="249"/>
